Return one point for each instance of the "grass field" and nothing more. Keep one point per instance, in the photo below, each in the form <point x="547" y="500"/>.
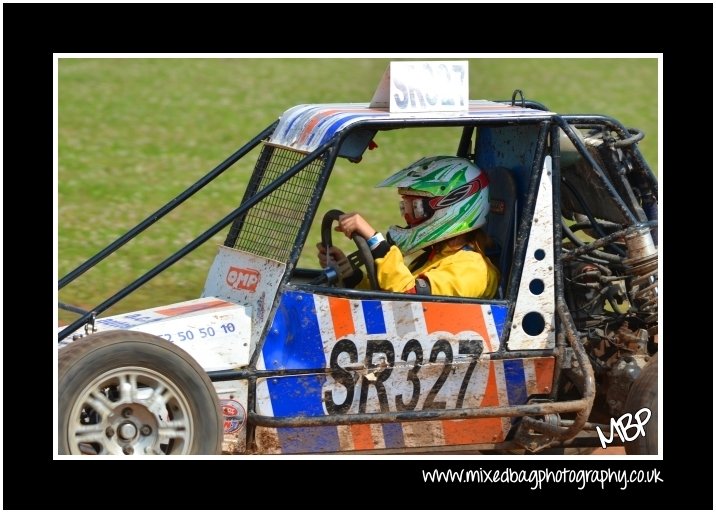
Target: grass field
<point x="134" y="133"/>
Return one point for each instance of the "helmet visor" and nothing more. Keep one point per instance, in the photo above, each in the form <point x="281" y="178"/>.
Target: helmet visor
<point x="414" y="209"/>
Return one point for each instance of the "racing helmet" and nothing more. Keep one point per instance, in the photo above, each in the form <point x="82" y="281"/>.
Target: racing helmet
<point x="441" y="197"/>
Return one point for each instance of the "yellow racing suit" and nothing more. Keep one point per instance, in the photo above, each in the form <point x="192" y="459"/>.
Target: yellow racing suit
<point x="462" y="272"/>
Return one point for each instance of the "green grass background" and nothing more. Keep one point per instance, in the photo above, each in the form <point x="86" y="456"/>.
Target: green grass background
<point x="134" y="133"/>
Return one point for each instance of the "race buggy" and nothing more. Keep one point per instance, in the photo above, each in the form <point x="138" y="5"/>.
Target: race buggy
<point x="278" y="358"/>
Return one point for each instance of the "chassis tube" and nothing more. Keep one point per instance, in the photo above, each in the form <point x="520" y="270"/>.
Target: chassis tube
<point x="579" y="145"/>
<point x="412" y="416"/>
<point x="560" y="433"/>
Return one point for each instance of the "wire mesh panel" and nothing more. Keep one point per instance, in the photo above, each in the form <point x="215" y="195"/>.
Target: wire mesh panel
<point x="271" y="227"/>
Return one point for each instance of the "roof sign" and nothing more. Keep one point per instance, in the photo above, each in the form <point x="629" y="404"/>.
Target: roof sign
<point x="423" y="86"/>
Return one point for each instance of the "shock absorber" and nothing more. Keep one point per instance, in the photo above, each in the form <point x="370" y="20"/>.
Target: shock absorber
<point x="649" y="203"/>
<point x="642" y="264"/>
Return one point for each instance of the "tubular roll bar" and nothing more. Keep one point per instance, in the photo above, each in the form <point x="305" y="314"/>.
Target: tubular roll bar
<point x="156" y="216"/>
<point x="196" y="242"/>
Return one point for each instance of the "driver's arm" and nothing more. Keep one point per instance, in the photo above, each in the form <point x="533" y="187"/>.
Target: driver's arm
<point x="350" y="276"/>
<point x="392" y="273"/>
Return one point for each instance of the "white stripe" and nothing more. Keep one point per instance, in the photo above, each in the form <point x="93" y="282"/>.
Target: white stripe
<point x="423" y="434"/>
<point x="438" y="433"/>
<point x="263" y="398"/>
<point x="345" y="438"/>
<point x="376" y="433"/>
<point x="493" y="344"/>
<point x="502" y="394"/>
<point x="389" y="318"/>
<point x="325" y="324"/>
<point x="419" y="317"/>
<point x="478" y="383"/>
<point x="358" y="318"/>
<point x="328" y="337"/>
<point x="261" y="364"/>
<point x="372" y="403"/>
<point x="528" y="365"/>
<point x="501" y="383"/>
<point x="410" y="438"/>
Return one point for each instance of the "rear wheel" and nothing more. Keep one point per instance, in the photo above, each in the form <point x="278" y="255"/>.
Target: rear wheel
<point x="126" y="392"/>
<point x="644" y="393"/>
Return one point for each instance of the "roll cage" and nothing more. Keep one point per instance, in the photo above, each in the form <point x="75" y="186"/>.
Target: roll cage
<point x="289" y="179"/>
<point x="322" y="159"/>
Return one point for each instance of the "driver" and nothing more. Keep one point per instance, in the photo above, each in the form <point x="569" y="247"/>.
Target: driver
<point x="444" y="201"/>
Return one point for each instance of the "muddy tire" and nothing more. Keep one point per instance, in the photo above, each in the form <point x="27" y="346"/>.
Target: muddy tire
<point x="644" y="393"/>
<point x="126" y="392"/>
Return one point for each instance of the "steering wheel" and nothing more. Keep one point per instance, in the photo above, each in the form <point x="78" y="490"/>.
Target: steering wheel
<point x="361" y="257"/>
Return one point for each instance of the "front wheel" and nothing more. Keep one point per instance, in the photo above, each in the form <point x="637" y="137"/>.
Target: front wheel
<point x="126" y="392"/>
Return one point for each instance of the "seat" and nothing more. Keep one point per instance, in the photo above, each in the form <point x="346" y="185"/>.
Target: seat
<point x="501" y="225"/>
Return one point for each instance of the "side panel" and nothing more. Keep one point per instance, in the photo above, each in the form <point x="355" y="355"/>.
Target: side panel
<point x="213" y="331"/>
<point x="533" y="324"/>
<point x="385" y="356"/>
<point x="248" y="280"/>
<point x="513" y="147"/>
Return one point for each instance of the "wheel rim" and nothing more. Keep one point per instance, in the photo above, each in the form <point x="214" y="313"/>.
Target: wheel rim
<point x="130" y="411"/>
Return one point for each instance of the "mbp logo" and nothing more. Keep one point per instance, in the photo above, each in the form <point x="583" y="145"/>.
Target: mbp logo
<point x="623" y="425"/>
<point x="243" y="278"/>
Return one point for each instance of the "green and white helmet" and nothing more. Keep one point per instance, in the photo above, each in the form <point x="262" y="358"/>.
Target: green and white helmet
<point x="448" y="196"/>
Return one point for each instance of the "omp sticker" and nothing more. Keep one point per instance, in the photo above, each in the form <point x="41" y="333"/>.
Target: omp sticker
<point x="243" y="278"/>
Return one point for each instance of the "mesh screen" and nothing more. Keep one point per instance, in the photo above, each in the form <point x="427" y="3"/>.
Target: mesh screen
<point x="271" y="227"/>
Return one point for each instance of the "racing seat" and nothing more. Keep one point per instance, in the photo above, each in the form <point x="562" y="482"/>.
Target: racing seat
<point x="501" y="225"/>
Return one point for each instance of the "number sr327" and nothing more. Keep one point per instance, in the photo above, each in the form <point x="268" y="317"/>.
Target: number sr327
<point x="344" y="358"/>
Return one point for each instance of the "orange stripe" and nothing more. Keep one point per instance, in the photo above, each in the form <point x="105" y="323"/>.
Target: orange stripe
<point x="454" y="318"/>
<point x="308" y="129"/>
<point x="341" y="315"/>
<point x="320" y="116"/>
<point x="193" y="308"/>
<point x="544" y="373"/>
<point x="472" y="431"/>
<point x="478" y="430"/>
<point x="362" y="437"/>
<point x="491" y="398"/>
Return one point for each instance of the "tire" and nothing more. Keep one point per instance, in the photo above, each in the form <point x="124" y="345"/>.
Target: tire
<point x="644" y="393"/>
<point x="127" y="392"/>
